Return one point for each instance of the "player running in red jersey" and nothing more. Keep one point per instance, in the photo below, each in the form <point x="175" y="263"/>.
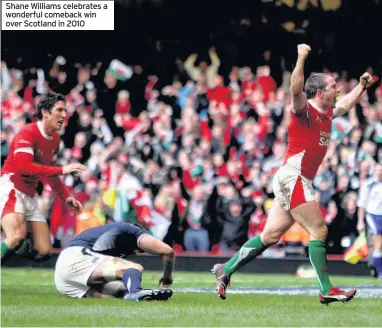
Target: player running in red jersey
<point x="31" y="159"/>
<point x="308" y="139"/>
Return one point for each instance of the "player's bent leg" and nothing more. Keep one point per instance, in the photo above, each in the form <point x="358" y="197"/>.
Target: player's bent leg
<point x="310" y="217"/>
<point x="112" y="289"/>
<point x="74" y="267"/>
<point x="41" y="241"/>
<point x="278" y="222"/>
<point x="15" y="229"/>
<point x="112" y="269"/>
<point x="131" y="275"/>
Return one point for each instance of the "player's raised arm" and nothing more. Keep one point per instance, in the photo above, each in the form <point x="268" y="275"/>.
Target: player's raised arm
<point x="347" y="102"/>
<point x="297" y="79"/>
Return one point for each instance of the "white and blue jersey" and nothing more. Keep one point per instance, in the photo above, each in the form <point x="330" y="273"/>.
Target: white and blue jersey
<point x="370" y="198"/>
<point x="114" y="239"/>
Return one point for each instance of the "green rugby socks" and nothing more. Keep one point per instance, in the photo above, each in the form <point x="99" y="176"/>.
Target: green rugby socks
<point x="249" y="251"/>
<point x="4" y="249"/>
<point x="317" y="256"/>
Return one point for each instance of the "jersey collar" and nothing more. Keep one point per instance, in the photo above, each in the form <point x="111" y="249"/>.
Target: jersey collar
<point x="318" y="109"/>
<point x="39" y="125"/>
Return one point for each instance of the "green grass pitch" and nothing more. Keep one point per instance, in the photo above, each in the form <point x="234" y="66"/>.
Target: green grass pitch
<point x="29" y="298"/>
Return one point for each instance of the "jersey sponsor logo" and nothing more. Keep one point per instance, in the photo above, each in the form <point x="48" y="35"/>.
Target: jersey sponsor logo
<point x="319" y="118"/>
<point x="324" y="142"/>
<point x="324" y="138"/>
<point x="40" y="152"/>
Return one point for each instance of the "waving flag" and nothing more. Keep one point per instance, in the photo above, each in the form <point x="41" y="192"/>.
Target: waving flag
<point x="340" y="128"/>
<point x="137" y="198"/>
<point x="120" y="70"/>
<point x="358" y="251"/>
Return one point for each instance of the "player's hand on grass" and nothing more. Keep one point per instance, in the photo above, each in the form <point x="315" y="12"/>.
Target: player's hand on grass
<point x="74" y="205"/>
<point x="165" y="282"/>
<point x="303" y="50"/>
<point x="73" y="168"/>
<point x="366" y="80"/>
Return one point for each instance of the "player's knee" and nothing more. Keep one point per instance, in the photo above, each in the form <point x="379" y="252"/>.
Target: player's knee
<point x="129" y="265"/>
<point x="107" y="274"/>
<point x="270" y="237"/>
<point x="139" y="267"/>
<point x="14" y="239"/>
<point x="320" y="232"/>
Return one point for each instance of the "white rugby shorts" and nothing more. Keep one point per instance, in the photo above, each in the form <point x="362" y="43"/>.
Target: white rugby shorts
<point x="74" y="267"/>
<point x="15" y="201"/>
<point x="291" y="189"/>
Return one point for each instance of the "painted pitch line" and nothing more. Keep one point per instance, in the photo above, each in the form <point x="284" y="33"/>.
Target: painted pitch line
<point x="362" y="291"/>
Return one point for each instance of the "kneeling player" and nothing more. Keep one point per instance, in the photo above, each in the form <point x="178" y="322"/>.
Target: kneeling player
<point x="92" y="265"/>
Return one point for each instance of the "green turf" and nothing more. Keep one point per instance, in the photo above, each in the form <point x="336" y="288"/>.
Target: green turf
<point x="29" y="298"/>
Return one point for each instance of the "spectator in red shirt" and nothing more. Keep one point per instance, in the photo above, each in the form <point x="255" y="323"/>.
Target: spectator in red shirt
<point x="123" y="102"/>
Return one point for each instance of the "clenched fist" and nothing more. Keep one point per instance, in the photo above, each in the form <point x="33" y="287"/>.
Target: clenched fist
<point x="366" y="80"/>
<point x="303" y="50"/>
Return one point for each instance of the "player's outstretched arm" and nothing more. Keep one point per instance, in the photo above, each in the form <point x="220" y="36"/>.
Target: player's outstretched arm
<point x="347" y="102"/>
<point x="156" y="247"/>
<point x="297" y="79"/>
<point x="25" y="165"/>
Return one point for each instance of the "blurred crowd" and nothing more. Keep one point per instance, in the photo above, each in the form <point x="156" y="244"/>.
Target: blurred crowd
<point x="192" y="160"/>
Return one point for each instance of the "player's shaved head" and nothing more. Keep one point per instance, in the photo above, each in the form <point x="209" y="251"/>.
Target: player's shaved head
<point x="47" y="102"/>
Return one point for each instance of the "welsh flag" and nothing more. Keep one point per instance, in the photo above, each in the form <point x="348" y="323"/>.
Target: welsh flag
<point x="120" y="70"/>
<point x="340" y="128"/>
<point x="138" y="199"/>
